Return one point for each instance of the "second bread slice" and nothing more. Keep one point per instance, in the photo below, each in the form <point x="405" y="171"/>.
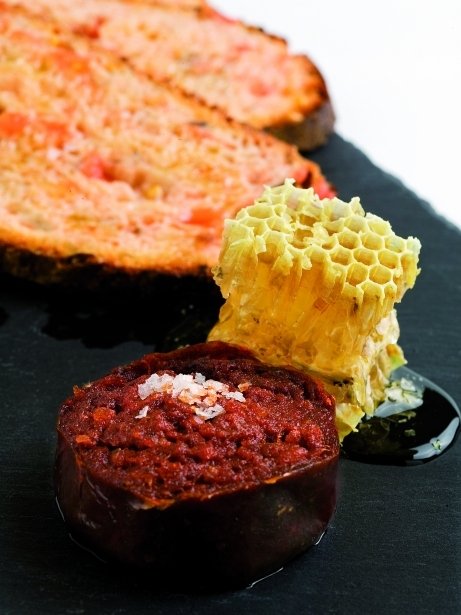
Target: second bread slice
<point x="247" y="73"/>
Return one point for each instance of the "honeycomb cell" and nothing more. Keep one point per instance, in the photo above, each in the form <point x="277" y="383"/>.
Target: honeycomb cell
<point x="380" y="275"/>
<point x="341" y="256"/>
<point x="373" y="290"/>
<point x="356" y="274"/>
<point x="334" y="227"/>
<point x="330" y="243"/>
<point x="389" y="259"/>
<point x="379" y="226"/>
<point x="364" y="256"/>
<point x="317" y="254"/>
<point x="395" y="243"/>
<point x="348" y="239"/>
<point x="276" y="224"/>
<point x="299" y="239"/>
<point x="258" y="225"/>
<point x="357" y="224"/>
<point x="372" y="241"/>
<point x="305" y="220"/>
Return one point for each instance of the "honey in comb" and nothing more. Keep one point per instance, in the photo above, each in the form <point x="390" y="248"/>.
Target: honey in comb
<point x="313" y="283"/>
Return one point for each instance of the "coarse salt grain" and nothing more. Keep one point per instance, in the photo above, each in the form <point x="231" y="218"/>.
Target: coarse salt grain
<point x="155" y="384"/>
<point x="234" y="395"/>
<point x="195" y="390"/>
<point x="209" y="413"/>
<point x="142" y="413"/>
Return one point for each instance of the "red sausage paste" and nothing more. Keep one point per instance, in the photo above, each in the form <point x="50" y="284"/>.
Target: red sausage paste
<point x="207" y="427"/>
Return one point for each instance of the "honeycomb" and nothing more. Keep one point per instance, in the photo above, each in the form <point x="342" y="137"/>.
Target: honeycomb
<point x="313" y="283"/>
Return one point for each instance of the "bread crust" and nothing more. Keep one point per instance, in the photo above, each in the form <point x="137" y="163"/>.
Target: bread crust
<point x="311" y="132"/>
<point x="83" y="271"/>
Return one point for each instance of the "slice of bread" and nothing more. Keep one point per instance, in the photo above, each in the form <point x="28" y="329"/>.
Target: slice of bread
<point x="99" y="164"/>
<point x="247" y="73"/>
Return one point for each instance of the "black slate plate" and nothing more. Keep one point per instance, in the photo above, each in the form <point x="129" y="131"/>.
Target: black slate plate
<point x="395" y="543"/>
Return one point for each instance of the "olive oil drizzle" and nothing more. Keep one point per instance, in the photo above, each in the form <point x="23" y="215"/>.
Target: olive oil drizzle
<point x="414" y="429"/>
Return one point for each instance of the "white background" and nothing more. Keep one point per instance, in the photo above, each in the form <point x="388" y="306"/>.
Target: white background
<point x="393" y="70"/>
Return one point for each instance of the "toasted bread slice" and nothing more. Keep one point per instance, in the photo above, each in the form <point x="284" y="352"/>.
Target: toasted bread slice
<point x="247" y="73"/>
<point x="101" y="164"/>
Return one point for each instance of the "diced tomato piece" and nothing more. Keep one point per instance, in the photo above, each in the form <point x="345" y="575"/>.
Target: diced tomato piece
<point x="103" y="415"/>
<point x="94" y="166"/>
<point x="323" y="188"/>
<point x="242" y="46"/>
<point x="84" y="440"/>
<point x="70" y="62"/>
<point x="91" y="29"/>
<point x="259" y="88"/>
<point x="12" y="124"/>
<point x="200" y="66"/>
<point x="204" y="216"/>
<point x="56" y="133"/>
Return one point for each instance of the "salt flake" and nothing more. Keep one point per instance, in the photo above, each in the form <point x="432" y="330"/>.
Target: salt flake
<point x="142" y="413"/>
<point x="210" y="412"/>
